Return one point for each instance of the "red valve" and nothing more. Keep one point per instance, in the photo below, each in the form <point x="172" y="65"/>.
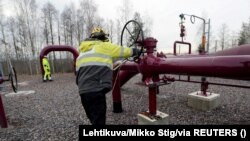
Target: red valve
<point x="182" y="31"/>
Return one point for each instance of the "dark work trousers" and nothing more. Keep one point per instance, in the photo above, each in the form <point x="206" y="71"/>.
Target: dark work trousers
<point x="95" y="107"/>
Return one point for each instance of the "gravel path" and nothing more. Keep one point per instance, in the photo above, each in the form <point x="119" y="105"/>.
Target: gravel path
<point x="54" y="111"/>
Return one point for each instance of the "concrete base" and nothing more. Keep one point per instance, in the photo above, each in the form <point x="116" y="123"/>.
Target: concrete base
<point x="18" y="93"/>
<point x="198" y="101"/>
<point x="159" y="119"/>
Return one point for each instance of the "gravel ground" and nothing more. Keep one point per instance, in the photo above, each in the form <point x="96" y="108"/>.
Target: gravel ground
<point x="54" y="111"/>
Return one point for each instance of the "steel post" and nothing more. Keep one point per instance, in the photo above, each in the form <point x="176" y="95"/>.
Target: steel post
<point x="152" y="100"/>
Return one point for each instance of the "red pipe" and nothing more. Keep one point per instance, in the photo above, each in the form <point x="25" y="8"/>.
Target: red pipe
<point x="50" y="48"/>
<point x="232" y="67"/>
<point x="232" y="64"/>
<point x="126" y="72"/>
<point x="185" y="43"/>
<point x="239" y="50"/>
<point x="130" y="66"/>
<point x="212" y="83"/>
<point x="3" y="120"/>
<point x="116" y="93"/>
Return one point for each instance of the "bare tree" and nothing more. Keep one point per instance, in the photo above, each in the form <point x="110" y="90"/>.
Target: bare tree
<point x="3" y="34"/>
<point x="45" y="30"/>
<point x="244" y="36"/>
<point x="79" y="26"/>
<point x="147" y="25"/>
<point x="72" y="23"/>
<point x="89" y="11"/>
<point x="26" y="13"/>
<point x="27" y="30"/>
<point x="58" y="31"/>
<point x="64" y="17"/>
<point x="12" y="27"/>
<point x="144" y="22"/>
<point x="111" y="30"/>
<point x="223" y="36"/>
<point x="49" y="15"/>
<point x="125" y="11"/>
<point x="68" y="23"/>
<point x="118" y="30"/>
<point x="3" y="40"/>
<point x="233" y="39"/>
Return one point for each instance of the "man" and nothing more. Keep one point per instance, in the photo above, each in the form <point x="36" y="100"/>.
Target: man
<point x="94" y="72"/>
<point x="46" y="68"/>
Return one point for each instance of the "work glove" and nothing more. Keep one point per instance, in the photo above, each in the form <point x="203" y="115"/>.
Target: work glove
<point x="136" y="52"/>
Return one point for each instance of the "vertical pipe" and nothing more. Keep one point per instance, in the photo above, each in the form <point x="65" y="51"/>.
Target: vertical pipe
<point x="208" y="35"/>
<point x="174" y="49"/>
<point x="185" y="43"/>
<point x="116" y="93"/>
<point x="152" y="100"/>
<point x="203" y="41"/>
<point x="3" y="120"/>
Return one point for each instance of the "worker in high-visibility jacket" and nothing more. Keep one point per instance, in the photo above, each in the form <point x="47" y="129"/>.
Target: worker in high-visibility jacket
<point x="46" y="68"/>
<point x="94" y="67"/>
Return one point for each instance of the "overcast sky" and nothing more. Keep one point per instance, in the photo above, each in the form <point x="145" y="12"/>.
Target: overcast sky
<point x="165" y="15"/>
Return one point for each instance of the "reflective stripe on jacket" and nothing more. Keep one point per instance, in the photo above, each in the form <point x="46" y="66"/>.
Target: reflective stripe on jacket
<point x="100" y="53"/>
<point x="46" y="64"/>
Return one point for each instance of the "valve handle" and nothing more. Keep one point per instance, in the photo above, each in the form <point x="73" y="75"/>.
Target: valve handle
<point x="136" y="36"/>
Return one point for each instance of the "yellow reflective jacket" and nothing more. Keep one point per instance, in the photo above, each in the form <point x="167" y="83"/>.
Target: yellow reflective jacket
<point x="46" y="66"/>
<point x="94" y="65"/>
<point x="99" y="53"/>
